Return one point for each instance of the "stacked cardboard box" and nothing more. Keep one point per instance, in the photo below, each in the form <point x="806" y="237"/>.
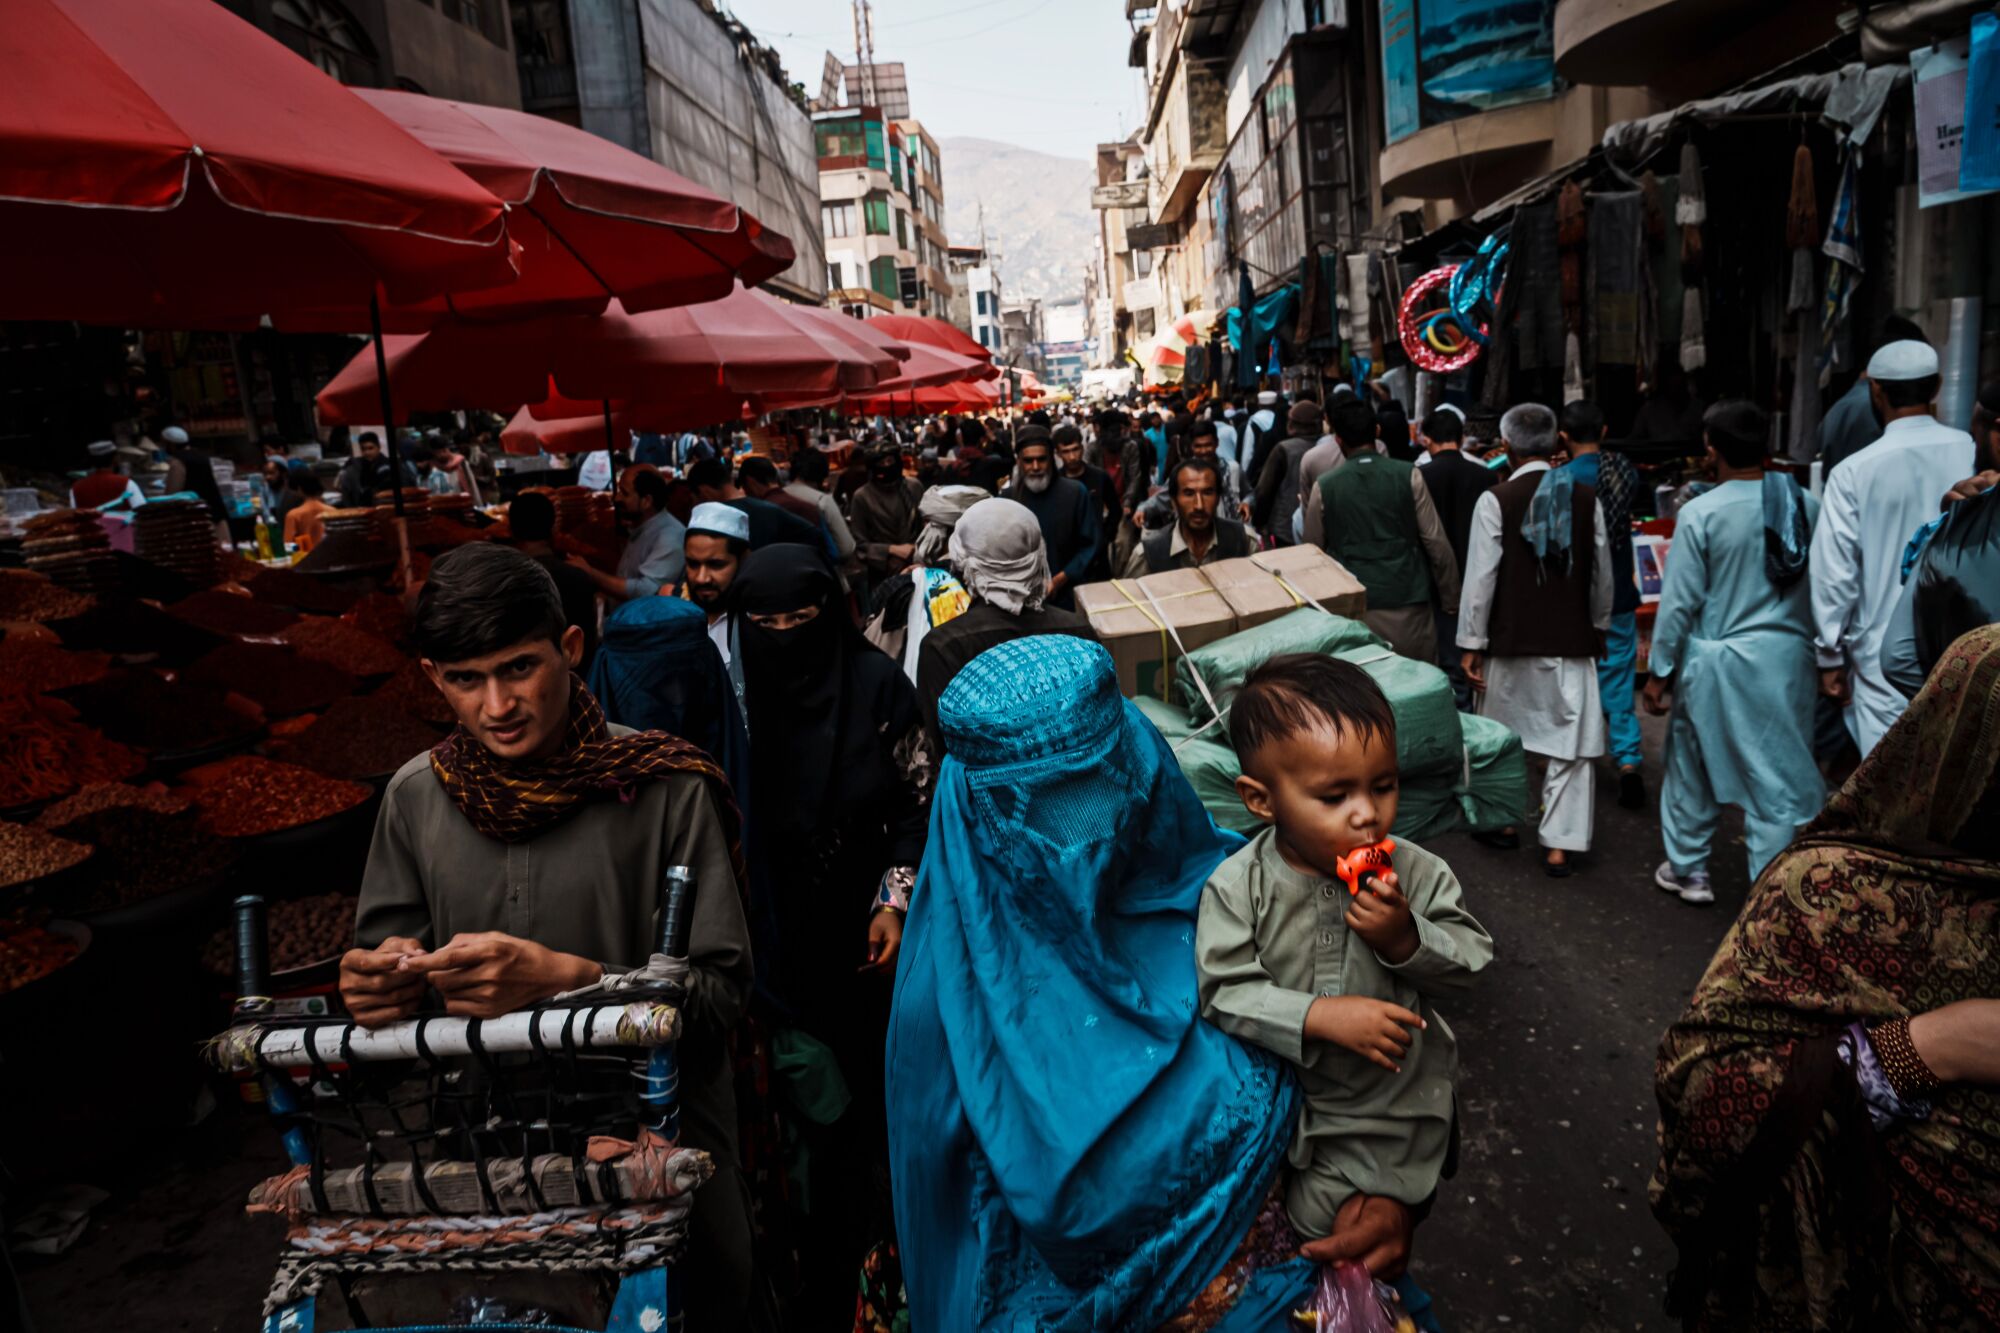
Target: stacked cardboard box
<point x="1149" y="623"/>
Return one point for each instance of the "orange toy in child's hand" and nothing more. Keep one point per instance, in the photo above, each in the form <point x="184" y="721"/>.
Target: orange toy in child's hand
<point x="1363" y="864"/>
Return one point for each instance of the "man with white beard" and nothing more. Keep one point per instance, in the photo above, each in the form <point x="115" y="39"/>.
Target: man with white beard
<point x="1063" y="508"/>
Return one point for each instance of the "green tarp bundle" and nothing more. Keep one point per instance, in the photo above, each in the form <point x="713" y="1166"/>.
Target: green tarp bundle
<point x="1458" y="770"/>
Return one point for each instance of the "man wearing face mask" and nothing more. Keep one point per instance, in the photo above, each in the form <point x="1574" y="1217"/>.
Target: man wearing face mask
<point x="1064" y="509"/>
<point x="883" y="514"/>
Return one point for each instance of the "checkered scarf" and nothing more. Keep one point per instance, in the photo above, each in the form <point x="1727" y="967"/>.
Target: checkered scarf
<point x="515" y="802"/>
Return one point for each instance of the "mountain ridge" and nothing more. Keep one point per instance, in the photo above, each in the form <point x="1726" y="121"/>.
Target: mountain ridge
<point x="1037" y="213"/>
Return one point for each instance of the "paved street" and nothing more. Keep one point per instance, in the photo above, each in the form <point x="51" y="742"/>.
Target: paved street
<point x="1545" y="1227"/>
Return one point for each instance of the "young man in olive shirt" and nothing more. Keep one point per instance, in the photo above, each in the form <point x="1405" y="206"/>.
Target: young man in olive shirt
<point x="493" y="925"/>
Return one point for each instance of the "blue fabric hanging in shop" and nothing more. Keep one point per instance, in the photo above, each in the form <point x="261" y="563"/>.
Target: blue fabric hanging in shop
<point x="1271" y="322"/>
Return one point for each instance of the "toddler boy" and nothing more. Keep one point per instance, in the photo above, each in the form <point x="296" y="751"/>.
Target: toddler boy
<point x="1341" y="986"/>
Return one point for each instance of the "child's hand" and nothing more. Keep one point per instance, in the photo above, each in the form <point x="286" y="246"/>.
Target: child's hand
<point x="1367" y="1026"/>
<point x="1380" y="914"/>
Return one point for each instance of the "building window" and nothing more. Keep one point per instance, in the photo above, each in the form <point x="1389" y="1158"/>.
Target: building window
<point x="875" y="208"/>
<point x="834" y="281"/>
<point x="837" y="219"/>
<point x="902" y="230"/>
<point x="329" y="36"/>
<point x="882" y="277"/>
<point x="896" y="164"/>
<point x="877" y="144"/>
<point x="985" y="334"/>
<point x="840" y="138"/>
<point x="980" y="301"/>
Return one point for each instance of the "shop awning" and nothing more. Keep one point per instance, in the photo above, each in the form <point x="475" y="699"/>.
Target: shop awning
<point x="1851" y="98"/>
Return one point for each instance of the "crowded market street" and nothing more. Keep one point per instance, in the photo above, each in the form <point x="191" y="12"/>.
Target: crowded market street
<point x="1548" y="1229"/>
<point x="1327" y="668"/>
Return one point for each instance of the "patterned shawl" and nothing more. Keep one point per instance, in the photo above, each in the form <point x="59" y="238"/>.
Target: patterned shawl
<point x="514" y="802"/>
<point x="1790" y="1211"/>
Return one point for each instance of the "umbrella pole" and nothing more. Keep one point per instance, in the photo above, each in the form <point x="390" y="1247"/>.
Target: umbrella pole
<point x="395" y="447"/>
<point x="610" y="449"/>
<point x="388" y="411"/>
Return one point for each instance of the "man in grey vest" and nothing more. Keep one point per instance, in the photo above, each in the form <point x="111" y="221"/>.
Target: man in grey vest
<point x="1532" y="624"/>
<point x="1377" y="519"/>
<point x="1197" y="536"/>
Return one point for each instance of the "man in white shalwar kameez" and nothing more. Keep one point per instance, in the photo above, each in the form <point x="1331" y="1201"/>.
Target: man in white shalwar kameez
<point x="1532" y="616"/>
<point x="1733" y="643"/>
<point x="1873" y="503"/>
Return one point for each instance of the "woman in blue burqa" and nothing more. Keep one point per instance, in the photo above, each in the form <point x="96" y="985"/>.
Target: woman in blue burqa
<point x="1071" y="1147"/>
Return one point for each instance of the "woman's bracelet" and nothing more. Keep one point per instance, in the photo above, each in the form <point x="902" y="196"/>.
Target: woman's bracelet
<point x="1912" y="1079"/>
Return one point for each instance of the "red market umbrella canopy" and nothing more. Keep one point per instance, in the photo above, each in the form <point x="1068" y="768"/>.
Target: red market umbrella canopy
<point x="594" y="220"/>
<point x="163" y="163"/>
<point x="928" y="366"/>
<point x="932" y="332"/>
<point x="568" y="435"/>
<point x="746" y="343"/>
<point x="963" y="396"/>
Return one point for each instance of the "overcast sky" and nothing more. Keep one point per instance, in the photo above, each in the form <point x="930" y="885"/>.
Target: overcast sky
<point x="1044" y="74"/>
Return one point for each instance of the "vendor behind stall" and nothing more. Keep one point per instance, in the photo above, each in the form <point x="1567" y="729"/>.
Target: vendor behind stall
<point x="104" y="484"/>
<point x="524" y="856"/>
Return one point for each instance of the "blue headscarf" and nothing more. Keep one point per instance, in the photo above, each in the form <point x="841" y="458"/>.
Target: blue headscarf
<point x="1547" y="526"/>
<point x="657" y="670"/>
<point x="1071" y="1147"/>
<point x="1787" y="529"/>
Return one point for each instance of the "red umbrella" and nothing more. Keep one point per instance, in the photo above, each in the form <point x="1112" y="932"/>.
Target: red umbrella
<point x="567" y="435"/>
<point x="933" y="332"/>
<point x="746" y="343"/>
<point x="166" y="164"/>
<point x="928" y="366"/>
<point x="594" y="220"/>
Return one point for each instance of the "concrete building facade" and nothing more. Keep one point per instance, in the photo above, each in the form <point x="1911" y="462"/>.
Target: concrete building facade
<point x="691" y="89"/>
<point x="881" y="196"/>
<point x="460" y="49"/>
<point x="975" y="294"/>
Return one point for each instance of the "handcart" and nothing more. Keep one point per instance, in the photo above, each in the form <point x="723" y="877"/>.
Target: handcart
<point x="520" y="1172"/>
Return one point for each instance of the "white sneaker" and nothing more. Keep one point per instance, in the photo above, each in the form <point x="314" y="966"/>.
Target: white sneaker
<point x="1691" y="888"/>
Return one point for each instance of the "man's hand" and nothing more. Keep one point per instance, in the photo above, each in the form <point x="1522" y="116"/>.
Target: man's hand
<point x="1369" y="1027"/>
<point x="902" y="550"/>
<point x="885" y="940"/>
<point x="575" y="561"/>
<point x="374" y="986"/>
<point x="1971" y="488"/>
<point x="1371" y="1231"/>
<point x="1474" y="666"/>
<point x="1960" y="1041"/>
<point x="1057" y="582"/>
<point x="1658" y="695"/>
<point x="487" y="974"/>
<point x="1833" y="683"/>
<point x="1380" y="915"/>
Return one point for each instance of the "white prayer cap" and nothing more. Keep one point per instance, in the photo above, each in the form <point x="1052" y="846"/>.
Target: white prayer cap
<point x="101" y="449"/>
<point x="720" y="520"/>
<point x="1342" y="387"/>
<point x="1267" y="399"/>
<point x="174" y="435"/>
<point x="1452" y="408"/>
<point x="1905" y="360"/>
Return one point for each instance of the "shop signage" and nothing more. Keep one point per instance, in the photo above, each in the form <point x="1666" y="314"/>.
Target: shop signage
<point x="1119" y="194"/>
<point x="1149" y="235"/>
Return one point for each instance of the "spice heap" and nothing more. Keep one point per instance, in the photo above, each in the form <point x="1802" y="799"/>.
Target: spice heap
<point x="274" y="677"/>
<point x="337" y="644"/>
<point x="349" y="546"/>
<point x="70" y="547"/>
<point x="29" y="953"/>
<point x="26" y="595"/>
<point x="30" y="853"/>
<point x="45" y="751"/>
<point x="232" y="613"/>
<point x="244" y="796"/>
<point x="136" y="629"/>
<point x="381" y="615"/>
<point x="149" y="842"/>
<point x="301" y="592"/>
<point x="364" y="737"/>
<point x="411" y="691"/>
<point x="31" y="666"/>
<point x="300" y="931"/>
<point x="161" y="716"/>
<point x="180" y="535"/>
